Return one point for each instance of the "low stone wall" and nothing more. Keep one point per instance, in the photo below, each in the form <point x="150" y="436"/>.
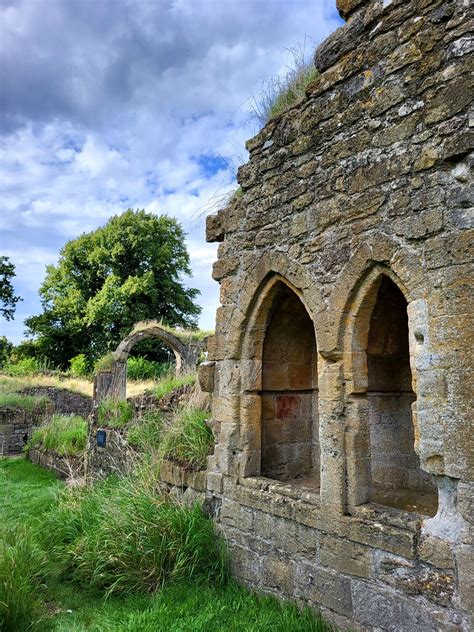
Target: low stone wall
<point x="187" y="486"/>
<point x="15" y="429"/>
<point x="65" y="402"/>
<point x="62" y="466"/>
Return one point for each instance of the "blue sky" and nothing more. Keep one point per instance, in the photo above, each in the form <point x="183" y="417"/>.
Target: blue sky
<point x="111" y="104"/>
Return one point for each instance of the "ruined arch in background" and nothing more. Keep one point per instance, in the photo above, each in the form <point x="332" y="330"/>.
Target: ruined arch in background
<point x="113" y="383"/>
<point x="381" y="381"/>
<point x="279" y="411"/>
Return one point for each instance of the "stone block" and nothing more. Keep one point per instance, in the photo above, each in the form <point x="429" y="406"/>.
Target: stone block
<point x="345" y="557"/>
<point x="435" y="551"/>
<point x="279" y="575"/>
<point x="324" y="588"/>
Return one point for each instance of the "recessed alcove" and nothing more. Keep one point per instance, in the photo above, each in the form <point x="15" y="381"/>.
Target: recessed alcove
<point x="396" y="477"/>
<point x="289" y="395"/>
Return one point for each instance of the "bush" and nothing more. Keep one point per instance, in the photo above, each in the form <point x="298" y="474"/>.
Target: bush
<point x="121" y="537"/>
<point x="23" y="567"/>
<point x="114" y="413"/>
<point x="139" y="368"/>
<point x="24" y="366"/>
<point x="66" y="435"/>
<point x="145" y="432"/>
<point x="188" y="440"/>
<point x="79" y="365"/>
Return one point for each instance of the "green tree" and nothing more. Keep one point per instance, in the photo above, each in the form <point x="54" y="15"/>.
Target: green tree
<point x="8" y="300"/>
<point x="105" y="281"/>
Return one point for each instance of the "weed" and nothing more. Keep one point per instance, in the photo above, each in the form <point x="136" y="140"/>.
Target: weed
<point x="170" y="382"/>
<point x="145" y="433"/>
<point x="27" y="402"/>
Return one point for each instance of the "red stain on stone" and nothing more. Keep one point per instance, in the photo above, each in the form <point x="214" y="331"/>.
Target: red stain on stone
<point x="287" y="406"/>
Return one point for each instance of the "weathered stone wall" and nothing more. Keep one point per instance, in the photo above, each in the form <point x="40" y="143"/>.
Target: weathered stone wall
<point x="15" y="429"/>
<point x="64" y="467"/>
<point x="367" y="180"/>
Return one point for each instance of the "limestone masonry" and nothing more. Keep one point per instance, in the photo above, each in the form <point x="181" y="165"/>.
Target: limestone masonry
<point x="341" y="367"/>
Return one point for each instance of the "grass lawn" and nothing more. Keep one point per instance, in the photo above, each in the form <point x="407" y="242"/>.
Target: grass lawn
<point x="27" y="492"/>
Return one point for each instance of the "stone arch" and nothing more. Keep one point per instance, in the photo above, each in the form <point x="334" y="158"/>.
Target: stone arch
<point x="380" y="375"/>
<point x="113" y="384"/>
<point x="279" y="389"/>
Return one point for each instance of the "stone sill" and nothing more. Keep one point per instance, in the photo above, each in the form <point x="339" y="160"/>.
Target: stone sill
<point x="293" y="491"/>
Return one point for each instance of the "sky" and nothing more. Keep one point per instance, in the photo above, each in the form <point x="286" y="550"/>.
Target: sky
<point x="113" y="104"/>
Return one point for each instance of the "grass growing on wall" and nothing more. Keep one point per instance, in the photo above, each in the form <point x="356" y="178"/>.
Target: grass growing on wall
<point x="145" y="432"/>
<point x="27" y="402"/>
<point x="114" y="413"/>
<point x="66" y="435"/>
<point x="170" y="382"/>
<point x="187" y="440"/>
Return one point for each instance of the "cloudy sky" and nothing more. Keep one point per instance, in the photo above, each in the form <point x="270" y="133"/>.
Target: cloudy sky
<point x="111" y="104"/>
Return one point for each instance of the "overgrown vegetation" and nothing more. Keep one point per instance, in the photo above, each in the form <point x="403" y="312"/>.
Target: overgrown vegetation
<point x="66" y="435"/>
<point x="139" y="368"/>
<point x="145" y="431"/>
<point x="114" y="413"/>
<point x="187" y="440"/>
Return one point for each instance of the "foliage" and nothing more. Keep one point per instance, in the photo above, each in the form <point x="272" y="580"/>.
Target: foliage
<point x="6" y="348"/>
<point x="23" y="566"/>
<point x="66" y="435"/>
<point x="280" y="93"/>
<point x="139" y="368"/>
<point x="27" y="402"/>
<point x="104" y="363"/>
<point x="170" y="382"/>
<point x="79" y="366"/>
<point x="145" y="433"/>
<point x="107" y="280"/>
<point x="188" y="439"/>
<point x="121" y="537"/>
<point x="8" y="300"/>
<point x="114" y="413"/>
<point x="25" y="366"/>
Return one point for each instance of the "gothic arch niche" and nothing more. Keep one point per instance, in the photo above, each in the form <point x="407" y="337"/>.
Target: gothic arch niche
<point x="289" y="390"/>
<point x="382" y="374"/>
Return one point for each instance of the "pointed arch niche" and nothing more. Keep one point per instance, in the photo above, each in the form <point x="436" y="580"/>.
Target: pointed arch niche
<point x="282" y="344"/>
<point x="385" y="465"/>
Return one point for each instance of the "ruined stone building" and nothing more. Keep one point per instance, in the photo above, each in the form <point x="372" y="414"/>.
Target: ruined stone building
<point x="340" y="370"/>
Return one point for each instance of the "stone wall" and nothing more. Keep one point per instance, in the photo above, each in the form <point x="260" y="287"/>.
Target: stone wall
<point x="363" y="184"/>
<point x="15" y="429"/>
<point x="64" y="467"/>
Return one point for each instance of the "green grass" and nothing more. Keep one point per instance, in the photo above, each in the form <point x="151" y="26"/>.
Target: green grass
<point x="170" y="382"/>
<point x="188" y="440"/>
<point x="27" y="402"/>
<point x="45" y="544"/>
<point x="66" y="435"/>
<point x="292" y="89"/>
<point x="145" y="432"/>
<point x="114" y="413"/>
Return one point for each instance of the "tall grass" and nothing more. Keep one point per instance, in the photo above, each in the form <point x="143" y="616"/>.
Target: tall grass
<point x="188" y="440"/>
<point x="145" y="432"/>
<point x="23" y="568"/>
<point x="121" y="537"/>
<point x="65" y="435"/>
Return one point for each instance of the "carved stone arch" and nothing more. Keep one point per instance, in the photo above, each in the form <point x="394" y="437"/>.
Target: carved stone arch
<point x="382" y="433"/>
<point x="270" y="268"/>
<point x="380" y="253"/>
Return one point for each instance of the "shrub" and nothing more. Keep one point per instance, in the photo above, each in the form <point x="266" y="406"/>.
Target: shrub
<point x="79" y="365"/>
<point x="24" y="366"/>
<point x="120" y="536"/>
<point x="145" y="432"/>
<point x="170" y="382"/>
<point x="188" y="440"/>
<point x="139" y="368"/>
<point x="64" y="434"/>
<point x="23" y="567"/>
<point x="28" y="402"/>
<point x="114" y="413"/>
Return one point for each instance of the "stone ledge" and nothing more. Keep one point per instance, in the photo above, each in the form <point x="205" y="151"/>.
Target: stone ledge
<point x="178" y="476"/>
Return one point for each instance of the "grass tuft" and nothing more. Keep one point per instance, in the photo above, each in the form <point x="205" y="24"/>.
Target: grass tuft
<point x="114" y="413"/>
<point x="188" y="440"/>
<point x="66" y="435"/>
<point x="145" y="433"/>
<point x="170" y="382"/>
<point x="27" y="402"/>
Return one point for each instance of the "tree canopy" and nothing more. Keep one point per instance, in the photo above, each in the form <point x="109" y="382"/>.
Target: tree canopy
<point x="8" y="300"/>
<point x="126" y="271"/>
